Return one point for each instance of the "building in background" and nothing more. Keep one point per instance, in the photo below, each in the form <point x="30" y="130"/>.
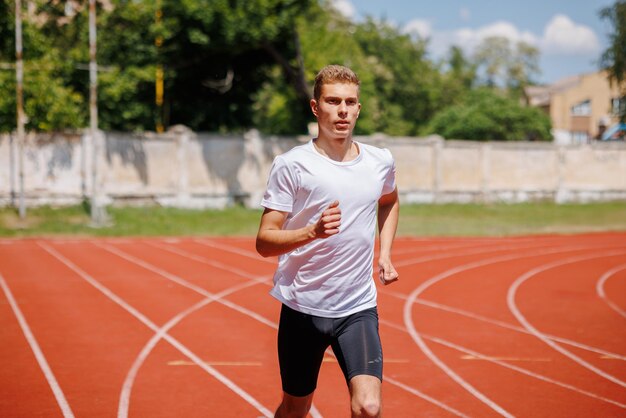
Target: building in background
<point x="582" y="107"/>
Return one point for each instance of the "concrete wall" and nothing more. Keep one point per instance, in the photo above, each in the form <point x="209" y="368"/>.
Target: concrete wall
<point x="185" y="169"/>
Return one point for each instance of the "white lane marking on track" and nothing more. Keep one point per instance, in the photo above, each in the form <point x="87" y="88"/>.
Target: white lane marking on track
<point x="236" y="250"/>
<point x="503" y="324"/>
<point x="565" y="249"/>
<point x="143" y="319"/>
<point x="412" y="390"/>
<point x="425" y="397"/>
<point x="402" y="386"/>
<point x="216" y="363"/>
<point x="518" y="369"/>
<point x="41" y="359"/>
<point x="182" y="282"/>
<point x="124" y="403"/>
<point x="314" y="412"/>
<point x="408" y="321"/>
<point x="209" y="262"/>
<point x="511" y="294"/>
<point x="474" y="251"/>
<point x="602" y="294"/>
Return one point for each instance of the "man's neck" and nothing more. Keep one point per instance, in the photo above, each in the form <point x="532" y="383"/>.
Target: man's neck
<point x="337" y="149"/>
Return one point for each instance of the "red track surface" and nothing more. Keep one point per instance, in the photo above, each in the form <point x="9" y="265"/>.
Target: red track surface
<point x="481" y="327"/>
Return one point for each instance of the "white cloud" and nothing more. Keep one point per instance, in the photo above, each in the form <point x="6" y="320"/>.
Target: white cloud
<point x="345" y="7"/>
<point x="562" y="36"/>
<point x="464" y="14"/>
<point x="468" y="39"/>
<point x="420" y="27"/>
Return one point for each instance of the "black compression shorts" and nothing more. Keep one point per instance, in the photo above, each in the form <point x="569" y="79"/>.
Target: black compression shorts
<point x="303" y="338"/>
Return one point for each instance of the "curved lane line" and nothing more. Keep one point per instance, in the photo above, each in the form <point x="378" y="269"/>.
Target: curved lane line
<point x="526" y="324"/>
<point x="602" y="294"/>
<point x="392" y="381"/>
<point x="411" y="389"/>
<point x="502" y="324"/>
<point x="124" y="403"/>
<point x="408" y="320"/>
<point x="147" y="322"/>
<point x="490" y="359"/>
<point x="218" y="297"/>
<point x="41" y="359"/>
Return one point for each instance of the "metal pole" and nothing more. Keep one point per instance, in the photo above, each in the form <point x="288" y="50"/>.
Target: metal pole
<point x="19" y="74"/>
<point x="159" y="71"/>
<point x="96" y="217"/>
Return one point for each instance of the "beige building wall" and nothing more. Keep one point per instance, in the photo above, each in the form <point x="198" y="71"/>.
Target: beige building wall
<point x="594" y="87"/>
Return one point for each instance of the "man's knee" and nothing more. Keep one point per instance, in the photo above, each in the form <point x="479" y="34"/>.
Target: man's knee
<point x="367" y="407"/>
<point x="365" y="397"/>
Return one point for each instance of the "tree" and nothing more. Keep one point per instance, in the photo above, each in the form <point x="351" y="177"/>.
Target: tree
<point x="614" y="57"/>
<point x="50" y="101"/>
<point x="488" y="115"/>
<point x="506" y="64"/>
<point x="407" y="86"/>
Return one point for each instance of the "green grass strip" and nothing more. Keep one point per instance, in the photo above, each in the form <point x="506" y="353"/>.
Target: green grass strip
<point x="415" y="220"/>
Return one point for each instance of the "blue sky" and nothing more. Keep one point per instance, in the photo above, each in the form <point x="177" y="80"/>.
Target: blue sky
<point x="569" y="34"/>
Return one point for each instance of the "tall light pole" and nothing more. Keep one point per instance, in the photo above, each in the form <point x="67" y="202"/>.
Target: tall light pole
<point x="159" y="70"/>
<point x="97" y="215"/>
<point x="19" y="75"/>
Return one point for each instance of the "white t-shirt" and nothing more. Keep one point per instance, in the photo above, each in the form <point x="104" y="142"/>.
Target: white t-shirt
<point x="329" y="277"/>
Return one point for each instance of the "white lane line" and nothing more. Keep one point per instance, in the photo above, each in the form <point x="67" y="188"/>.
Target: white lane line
<point x="474" y="251"/>
<point x="182" y="282"/>
<point x="201" y="290"/>
<point x="601" y="293"/>
<point x="275" y="326"/>
<point x="512" y="293"/>
<point x="143" y="319"/>
<point x="425" y="397"/>
<point x="403" y="386"/>
<point x="124" y="403"/>
<point x="41" y="359"/>
<point x="207" y="261"/>
<point x="236" y="250"/>
<point x="504" y="258"/>
<point x="499" y="362"/>
<point x="502" y="324"/>
<point x="408" y="320"/>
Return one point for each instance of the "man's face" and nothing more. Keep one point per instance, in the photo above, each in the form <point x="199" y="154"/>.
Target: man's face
<point x="337" y="109"/>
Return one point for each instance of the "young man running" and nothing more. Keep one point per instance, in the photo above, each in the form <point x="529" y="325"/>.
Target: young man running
<point x="322" y="202"/>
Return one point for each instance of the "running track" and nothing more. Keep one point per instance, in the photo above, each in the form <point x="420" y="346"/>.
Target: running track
<point x="476" y="327"/>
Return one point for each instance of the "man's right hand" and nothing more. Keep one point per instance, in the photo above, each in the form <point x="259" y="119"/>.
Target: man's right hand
<point x="329" y="222"/>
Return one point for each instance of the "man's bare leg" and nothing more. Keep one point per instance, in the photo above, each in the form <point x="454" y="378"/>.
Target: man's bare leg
<point x="365" y="396"/>
<point x="294" y="406"/>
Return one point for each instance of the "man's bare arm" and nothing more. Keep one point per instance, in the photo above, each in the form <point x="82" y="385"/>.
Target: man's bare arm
<point x="388" y="215"/>
<point x="272" y="240"/>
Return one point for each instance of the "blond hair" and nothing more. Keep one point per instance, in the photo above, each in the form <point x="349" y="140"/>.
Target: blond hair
<point x="333" y="74"/>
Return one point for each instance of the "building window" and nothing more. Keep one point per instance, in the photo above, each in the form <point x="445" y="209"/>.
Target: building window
<point x="582" y="108"/>
<point x="580" y="137"/>
<point x="618" y="105"/>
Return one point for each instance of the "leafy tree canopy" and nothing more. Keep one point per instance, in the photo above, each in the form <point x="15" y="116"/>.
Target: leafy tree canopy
<point x="229" y="65"/>
<point x="614" y="57"/>
<point x="486" y="114"/>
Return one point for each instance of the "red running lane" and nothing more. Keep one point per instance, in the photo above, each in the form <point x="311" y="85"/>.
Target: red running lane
<point x="91" y="343"/>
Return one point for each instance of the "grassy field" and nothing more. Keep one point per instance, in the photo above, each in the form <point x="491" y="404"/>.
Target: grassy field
<point x="415" y="220"/>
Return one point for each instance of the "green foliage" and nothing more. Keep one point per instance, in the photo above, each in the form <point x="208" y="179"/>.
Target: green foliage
<point x="614" y="57"/>
<point x="406" y="84"/>
<point x="234" y="64"/>
<point x="488" y="115"/>
<point x="504" y="64"/>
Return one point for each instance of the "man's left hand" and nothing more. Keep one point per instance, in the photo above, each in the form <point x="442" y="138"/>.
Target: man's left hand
<point x="386" y="272"/>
